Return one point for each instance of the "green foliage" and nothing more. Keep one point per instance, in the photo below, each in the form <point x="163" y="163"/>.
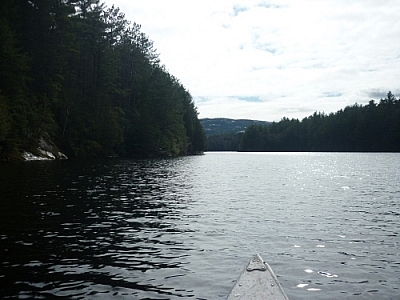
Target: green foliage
<point x="373" y="127"/>
<point x="217" y="126"/>
<point x="225" y="134"/>
<point x="224" y="141"/>
<point x="81" y="73"/>
<point x="4" y="119"/>
<point x="254" y="138"/>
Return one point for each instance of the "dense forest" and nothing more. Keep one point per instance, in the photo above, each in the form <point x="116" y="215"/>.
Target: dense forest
<point x="78" y="73"/>
<point x="224" y="141"/>
<point x="225" y="134"/>
<point x="374" y="127"/>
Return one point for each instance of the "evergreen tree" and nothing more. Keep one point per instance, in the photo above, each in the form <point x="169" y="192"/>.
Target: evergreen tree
<point x="355" y="128"/>
<point x="80" y="73"/>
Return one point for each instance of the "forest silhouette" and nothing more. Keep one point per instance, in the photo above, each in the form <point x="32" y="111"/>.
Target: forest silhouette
<point x="79" y="74"/>
<point x="374" y="127"/>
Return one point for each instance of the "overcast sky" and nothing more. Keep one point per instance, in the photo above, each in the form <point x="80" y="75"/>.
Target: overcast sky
<point x="267" y="60"/>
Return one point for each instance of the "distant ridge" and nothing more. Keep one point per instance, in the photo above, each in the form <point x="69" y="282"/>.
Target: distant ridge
<point x="215" y="126"/>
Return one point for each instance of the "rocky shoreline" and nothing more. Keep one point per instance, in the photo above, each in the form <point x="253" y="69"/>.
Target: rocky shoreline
<point x="46" y="150"/>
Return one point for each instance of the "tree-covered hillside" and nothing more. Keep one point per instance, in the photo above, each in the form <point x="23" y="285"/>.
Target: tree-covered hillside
<point x="371" y="128"/>
<point x="216" y="126"/>
<point x="80" y="74"/>
<point x="225" y="134"/>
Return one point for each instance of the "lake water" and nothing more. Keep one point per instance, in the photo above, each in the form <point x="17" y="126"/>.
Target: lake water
<point x="184" y="228"/>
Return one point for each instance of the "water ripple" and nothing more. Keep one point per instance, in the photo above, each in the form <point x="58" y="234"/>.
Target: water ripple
<point x="184" y="228"/>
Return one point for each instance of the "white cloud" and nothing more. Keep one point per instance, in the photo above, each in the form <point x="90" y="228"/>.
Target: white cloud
<point x="297" y="56"/>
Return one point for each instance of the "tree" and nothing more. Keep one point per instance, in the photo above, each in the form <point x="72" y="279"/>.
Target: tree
<point x="80" y="73"/>
<point x="354" y="128"/>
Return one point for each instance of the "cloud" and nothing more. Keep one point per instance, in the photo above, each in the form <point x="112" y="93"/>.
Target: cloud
<point x="377" y="94"/>
<point x="267" y="5"/>
<point x="250" y="99"/>
<point x="238" y="9"/>
<point x="296" y="57"/>
<point x="331" y="94"/>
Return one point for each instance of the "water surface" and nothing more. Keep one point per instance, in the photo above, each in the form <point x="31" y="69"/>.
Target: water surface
<point x="180" y="228"/>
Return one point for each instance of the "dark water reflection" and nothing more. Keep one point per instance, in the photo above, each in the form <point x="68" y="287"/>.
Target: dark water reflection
<point x="184" y="228"/>
<point x="79" y="229"/>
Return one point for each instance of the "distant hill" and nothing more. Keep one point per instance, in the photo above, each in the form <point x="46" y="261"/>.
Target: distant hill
<point x="216" y="126"/>
<point x="226" y="134"/>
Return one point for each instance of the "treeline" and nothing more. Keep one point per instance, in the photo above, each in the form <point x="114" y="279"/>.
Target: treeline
<point x="79" y="73"/>
<point x="224" y="141"/>
<point x="370" y="128"/>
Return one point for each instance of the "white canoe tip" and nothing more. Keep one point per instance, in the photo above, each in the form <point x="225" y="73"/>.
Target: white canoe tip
<point x="257" y="281"/>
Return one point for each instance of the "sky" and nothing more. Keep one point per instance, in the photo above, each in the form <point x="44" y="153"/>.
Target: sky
<point x="265" y="60"/>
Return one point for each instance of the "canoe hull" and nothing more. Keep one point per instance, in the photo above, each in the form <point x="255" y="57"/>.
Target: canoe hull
<point x="257" y="281"/>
